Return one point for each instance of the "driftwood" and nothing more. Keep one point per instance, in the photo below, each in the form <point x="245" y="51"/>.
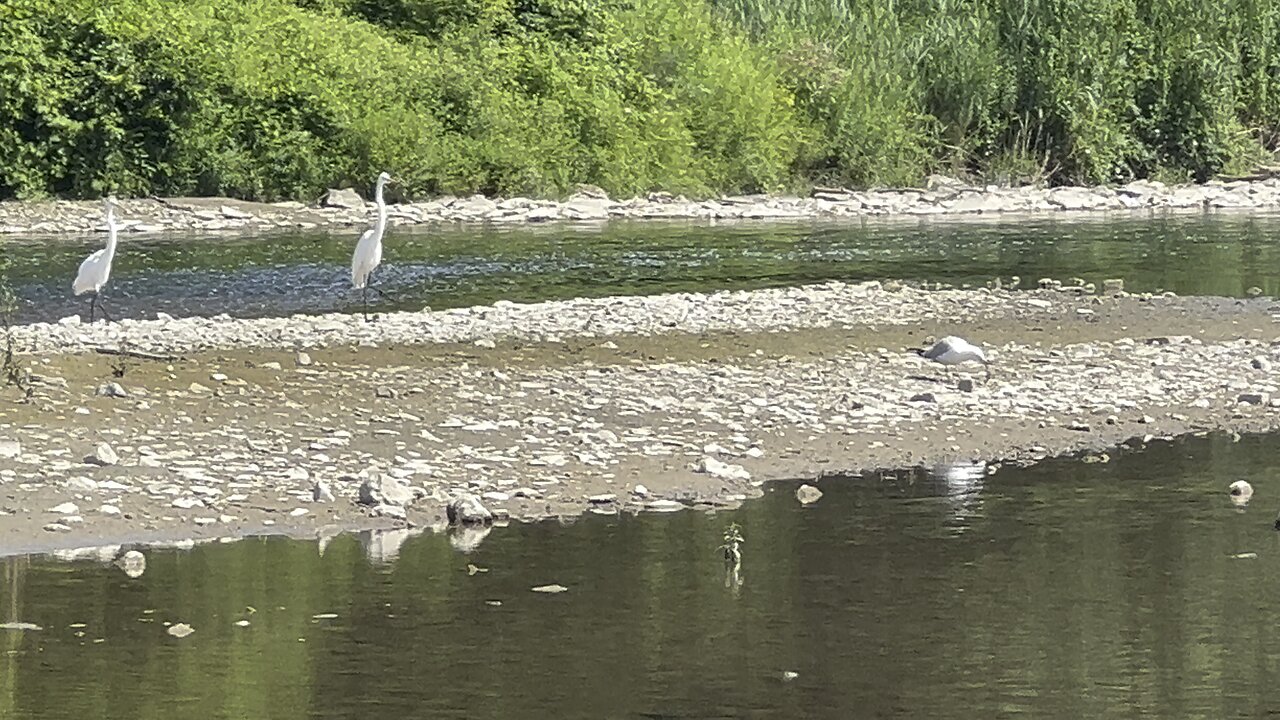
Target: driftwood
<point x="135" y="354"/>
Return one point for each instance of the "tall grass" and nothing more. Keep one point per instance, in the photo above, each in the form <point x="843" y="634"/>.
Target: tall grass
<point x="1089" y="90"/>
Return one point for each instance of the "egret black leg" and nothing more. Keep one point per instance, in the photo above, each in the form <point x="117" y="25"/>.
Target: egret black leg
<point x="102" y="306"/>
<point x="365" y="295"/>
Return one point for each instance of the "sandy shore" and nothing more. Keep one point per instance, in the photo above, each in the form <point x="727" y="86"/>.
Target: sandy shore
<point x="609" y="405"/>
<point x="942" y="197"/>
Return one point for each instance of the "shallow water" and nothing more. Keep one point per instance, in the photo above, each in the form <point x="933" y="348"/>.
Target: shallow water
<point x="1062" y="590"/>
<point x="287" y="273"/>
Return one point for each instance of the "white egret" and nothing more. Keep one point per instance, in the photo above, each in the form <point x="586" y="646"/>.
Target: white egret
<point x="952" y="350"/>
<point x="96" y="269"/>
<point x="368" y="254"/>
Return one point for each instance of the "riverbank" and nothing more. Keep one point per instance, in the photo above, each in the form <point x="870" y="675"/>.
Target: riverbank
<point x="944" y="197"/>
<point x="610" y="405"/>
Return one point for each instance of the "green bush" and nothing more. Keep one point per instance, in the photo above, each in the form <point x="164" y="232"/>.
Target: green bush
<point x="271" y="99"/>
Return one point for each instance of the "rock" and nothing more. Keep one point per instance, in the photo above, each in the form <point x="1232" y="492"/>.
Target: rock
<point x="302" y="359"/>
<point x="19" y="626"/>
<point x="10" y="449"/>
<point x="550" y="589"/>
<point x="808" y="494"/>
<point x="321" y="493"/>
<point x="383" y="490"/>
<point x="468" y="510"/>
<point x="1113" y="286"/>
<point x="387" y="392"/>
<point x="925" y="397"/>
<point x="719" y="469"/>
<point x="1260" y="363"/>
<point x="234" y="213"/>
<point x="664" y="506"/>
<point x="965" y="385"/>
<point x="602" y="499"/>
<point x="396" y="512"/>
<point x="57" y="527"/>
<point x="132" y="563"/>
<point x="110" y="510"/>
<point x="103" y="455"/>
<point x="1252" y="398"/>
<point x="66" y="508"/>
<point x="180" y="630"/>
<point x="640" y="491"/>
<point x="112" y="390"/>
<point x="343" y="198"/>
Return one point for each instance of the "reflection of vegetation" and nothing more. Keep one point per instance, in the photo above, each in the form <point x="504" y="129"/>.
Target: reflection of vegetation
<point x="732" y="544"/>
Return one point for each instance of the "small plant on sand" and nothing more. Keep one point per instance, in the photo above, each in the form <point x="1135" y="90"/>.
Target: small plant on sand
<point x="11" y="369"/>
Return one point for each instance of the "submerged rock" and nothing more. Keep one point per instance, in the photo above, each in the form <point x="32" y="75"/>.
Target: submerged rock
<point x="808" y="494"/>
<point x="132" y="563"/>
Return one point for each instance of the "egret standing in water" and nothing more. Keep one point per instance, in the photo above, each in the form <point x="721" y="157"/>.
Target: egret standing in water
<point x="368" y="254"/>
<point x="952" y="350"/>
<point x="96" y="269"/>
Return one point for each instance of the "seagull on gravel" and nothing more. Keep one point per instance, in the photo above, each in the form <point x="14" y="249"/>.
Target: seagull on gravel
<point x="952" y="350"/>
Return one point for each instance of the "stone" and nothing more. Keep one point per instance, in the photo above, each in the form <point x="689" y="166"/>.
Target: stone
<point x="396" y="512"/>
<point x="720" y="469"/>
<point x="103" y="455"/>
<point x="10" y="449"/>
<point x="1113" y="286"/>
<point x="384" y="490"/>
<point x="343" y="198"/>
<point x="640" y="491"/>
<point x="302" y="359"/>
<point x="965" y="385"/>
<point x="1252" y="398"/>
<point x="468" y="510"/>
<point x="602" y="499"/>
<point x="808" y="494"/>
<point x="113" y="389"/>
<point x="66" y="508"/>
<point x="925" y="397"/>
<point x="57" y="527"/>
<point x="550" y="589"/>
<point x="1260" y="363"/>
<point x="180" y="630"/>
<point x="386" y="392"/>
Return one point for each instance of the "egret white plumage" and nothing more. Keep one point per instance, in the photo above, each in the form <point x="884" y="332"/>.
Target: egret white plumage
<point x="95" y="271"/>
<point x="368" y="254"/>
<point x="952" y="350"/>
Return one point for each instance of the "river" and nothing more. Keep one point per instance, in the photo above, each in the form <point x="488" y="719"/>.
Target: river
<point x="287" y="273"/>
<point x="1131" y="588"/>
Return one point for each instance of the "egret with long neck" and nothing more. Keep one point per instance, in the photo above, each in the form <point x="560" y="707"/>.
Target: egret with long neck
<point x="95" y="271"/>
<point x="368" y="254"/>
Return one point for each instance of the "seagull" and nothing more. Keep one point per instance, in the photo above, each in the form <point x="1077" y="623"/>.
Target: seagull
<point x="952" y="350"/>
